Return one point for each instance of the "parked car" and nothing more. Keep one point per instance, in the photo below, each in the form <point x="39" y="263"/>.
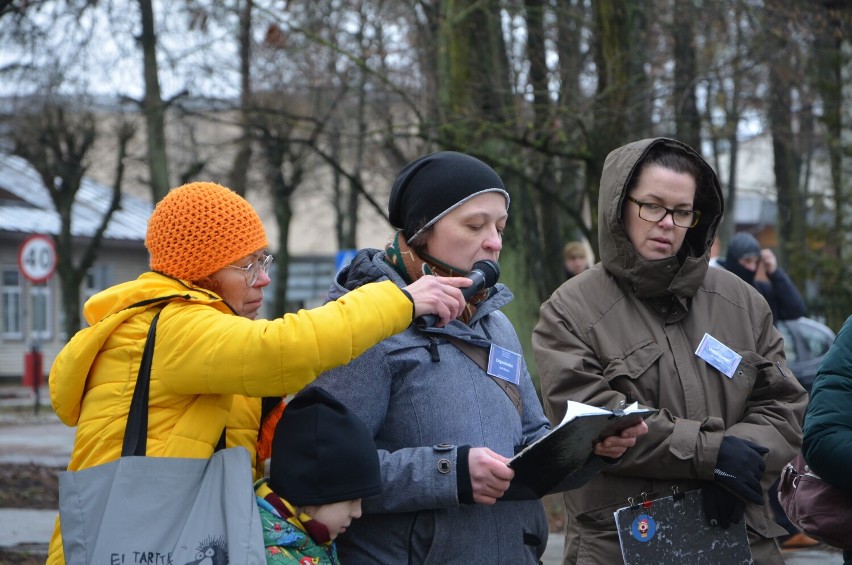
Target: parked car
<point x="806" y="342"/>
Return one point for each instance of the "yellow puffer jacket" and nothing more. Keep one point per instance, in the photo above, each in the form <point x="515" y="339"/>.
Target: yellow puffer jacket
<point x="209" y="369"/>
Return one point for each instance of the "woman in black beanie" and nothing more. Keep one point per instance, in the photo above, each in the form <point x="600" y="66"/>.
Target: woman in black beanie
<point x="445" y="421"/>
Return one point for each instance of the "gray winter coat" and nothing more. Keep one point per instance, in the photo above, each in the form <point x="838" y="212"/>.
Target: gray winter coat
<point x="423" y="398"/>
<point x="627" y="330"/>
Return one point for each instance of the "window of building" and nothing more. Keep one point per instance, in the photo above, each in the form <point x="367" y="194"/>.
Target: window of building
<point x="41" y="309"/>
<point x="98" y="278"/>
<point x="12" y="311"/>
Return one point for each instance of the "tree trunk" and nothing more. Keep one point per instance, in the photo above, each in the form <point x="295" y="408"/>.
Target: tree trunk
<point x="284" y="173"/>
<point x="283" y="214"/>
<point x="791" y="213"/>
<point x="571" y="17"/>
<point x="548" y="209"/>
<point x="153" y="106"/>
<point x="687" y="121"/>
<point x="830" y="45"/>
<point x="476" y="106"/>
<point x="613" y="113"/>
<point x="238" y="176"/>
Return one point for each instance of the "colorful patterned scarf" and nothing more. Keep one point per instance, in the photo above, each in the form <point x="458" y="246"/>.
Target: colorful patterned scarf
<point x="410" y="266"/>
<point x="291" y="539"/>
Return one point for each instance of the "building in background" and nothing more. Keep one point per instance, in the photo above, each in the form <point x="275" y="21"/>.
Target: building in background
<point x="31" y="313"/>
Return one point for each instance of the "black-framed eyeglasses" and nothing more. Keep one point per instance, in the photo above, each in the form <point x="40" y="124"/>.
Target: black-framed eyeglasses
<point x="654" y="213"/>
<point x="252" y="270"/>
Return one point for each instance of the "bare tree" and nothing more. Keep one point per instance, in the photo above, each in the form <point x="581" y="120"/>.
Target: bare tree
<point x="284" y="169"/>
<point x="687" y="119"/>
<point x="787" y="162"/>
<point x="541" y="89"/>
<point x="615" y="112"/>
<point x="830" y="42"/>
<point x="238" y="175"/>
<point x="56" y="141"/>
<point x="543" y="115"/>
<point x="730" y="80"/>
<point x="153" y="106"/>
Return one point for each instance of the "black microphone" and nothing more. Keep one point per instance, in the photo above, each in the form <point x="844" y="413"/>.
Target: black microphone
<point x="484" y="274"/>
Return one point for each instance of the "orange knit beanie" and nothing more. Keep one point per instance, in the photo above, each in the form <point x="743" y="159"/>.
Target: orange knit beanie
<point x="201" y="227"/>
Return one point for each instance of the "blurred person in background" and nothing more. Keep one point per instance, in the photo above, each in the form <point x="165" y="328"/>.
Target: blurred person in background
<point x="743" y="258"/>
<point x="575" y="257"/>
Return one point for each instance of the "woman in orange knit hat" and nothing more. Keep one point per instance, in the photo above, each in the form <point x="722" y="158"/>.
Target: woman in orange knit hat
<point x="213" y="360"/>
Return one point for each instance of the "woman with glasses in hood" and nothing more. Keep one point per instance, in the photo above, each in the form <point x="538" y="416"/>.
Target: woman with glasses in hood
<point x="628" y="330"/>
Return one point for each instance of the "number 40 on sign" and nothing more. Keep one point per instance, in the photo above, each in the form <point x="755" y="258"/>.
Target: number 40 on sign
<point x="37" y="258"/>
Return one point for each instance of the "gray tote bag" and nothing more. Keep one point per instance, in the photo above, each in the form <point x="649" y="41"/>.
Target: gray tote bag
<point x="161" y="510"/>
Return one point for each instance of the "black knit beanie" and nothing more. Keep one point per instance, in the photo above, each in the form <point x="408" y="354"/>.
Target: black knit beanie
<point x="322" y="453"/>
<point x="430" y="187"/>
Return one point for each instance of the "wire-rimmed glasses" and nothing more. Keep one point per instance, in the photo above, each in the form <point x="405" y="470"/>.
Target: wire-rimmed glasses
<point x="651" y="212"/>
<point x="252" y="270"/>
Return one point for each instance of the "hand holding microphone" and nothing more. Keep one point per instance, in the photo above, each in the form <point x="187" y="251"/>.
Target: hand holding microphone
<point x="438" y="296"/>
<point x="483" y="274"/>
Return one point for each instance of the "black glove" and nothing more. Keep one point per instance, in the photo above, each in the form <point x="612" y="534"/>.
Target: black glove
<point x="721" y="507"/>
<point x="739" y="467"/>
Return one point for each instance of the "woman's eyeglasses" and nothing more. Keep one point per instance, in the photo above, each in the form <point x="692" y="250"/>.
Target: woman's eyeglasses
<point x="252" y="270"/>
<point x="655" y="213"/>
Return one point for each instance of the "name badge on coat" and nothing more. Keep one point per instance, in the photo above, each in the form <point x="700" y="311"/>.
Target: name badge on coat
<point x="504" y="364"/>
<point x="725" y="359"/>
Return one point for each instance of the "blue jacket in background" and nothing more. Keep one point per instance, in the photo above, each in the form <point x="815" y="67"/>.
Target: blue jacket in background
<point x="780" y="293"/>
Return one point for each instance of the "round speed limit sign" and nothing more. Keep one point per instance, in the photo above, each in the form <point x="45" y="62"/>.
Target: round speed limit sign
<point x="37" y="258"/>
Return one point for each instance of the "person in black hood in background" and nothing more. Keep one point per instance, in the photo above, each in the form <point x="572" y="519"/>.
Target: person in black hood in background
<point x="743" y="258"/>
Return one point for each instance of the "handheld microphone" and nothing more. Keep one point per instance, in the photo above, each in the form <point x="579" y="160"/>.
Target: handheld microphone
<point x="484" y="274"/>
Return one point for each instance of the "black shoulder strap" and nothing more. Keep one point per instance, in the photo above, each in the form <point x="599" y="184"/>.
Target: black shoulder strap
<point x="136" y="433"/>
<point x="480" y="356"/>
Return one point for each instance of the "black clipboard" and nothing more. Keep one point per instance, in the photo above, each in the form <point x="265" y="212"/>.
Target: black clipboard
<point x="541" y="465"/>
<point x="673" y="529"/>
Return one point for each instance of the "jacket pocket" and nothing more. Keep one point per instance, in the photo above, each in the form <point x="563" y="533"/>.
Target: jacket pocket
<point x="633" y="362"/>
<point x="602" y="517"/>
<point x="421" y="538"/>
<point x="635" y="373"/>
<point x="768" y="380"/>
<point x="746" y="372"/>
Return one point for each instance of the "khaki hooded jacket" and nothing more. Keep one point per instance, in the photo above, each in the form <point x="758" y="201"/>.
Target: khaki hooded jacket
<point x="627" y="331"/>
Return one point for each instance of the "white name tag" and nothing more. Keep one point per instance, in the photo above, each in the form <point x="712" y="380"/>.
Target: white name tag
<point x="504" y="364"/>
<point x="719" y="355"/>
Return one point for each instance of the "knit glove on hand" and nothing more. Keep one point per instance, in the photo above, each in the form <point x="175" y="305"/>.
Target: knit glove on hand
<point x="739" y="467"/>
<point x="720" y="506"/>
